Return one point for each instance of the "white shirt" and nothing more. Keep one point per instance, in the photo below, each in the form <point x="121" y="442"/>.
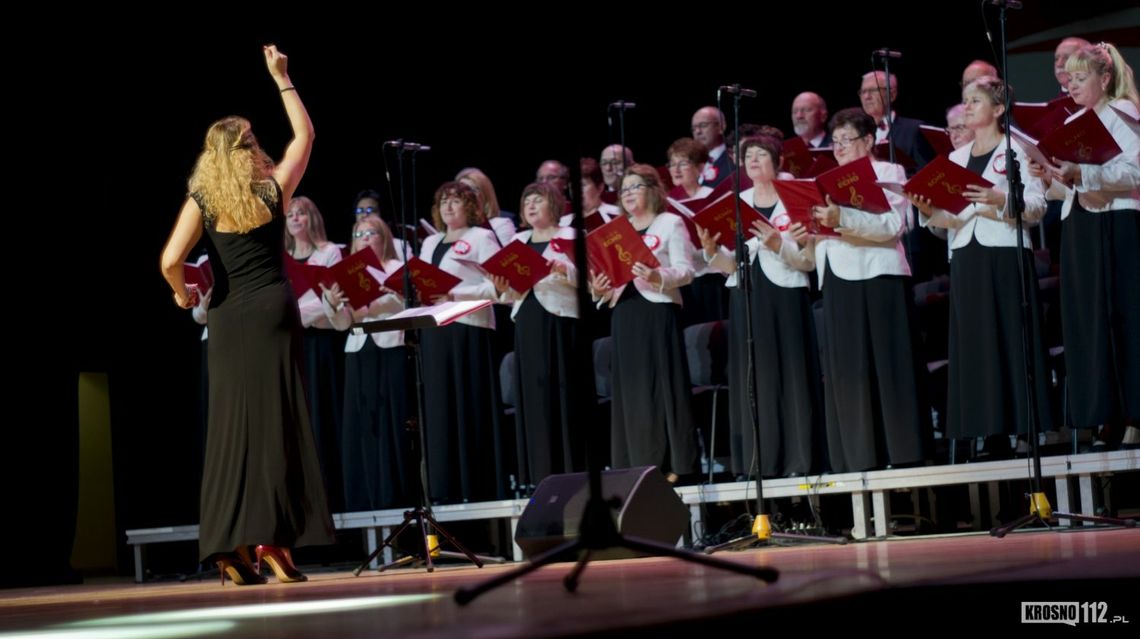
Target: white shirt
<point x="785" y="268"/>
<point x="479" y="245"/>
<point x="557" y="293"/>
<point x="668" y="239"/>
<point x="380" y="308"/>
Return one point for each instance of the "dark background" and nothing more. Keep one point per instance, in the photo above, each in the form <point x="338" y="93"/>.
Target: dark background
<point x="479" y="93"/>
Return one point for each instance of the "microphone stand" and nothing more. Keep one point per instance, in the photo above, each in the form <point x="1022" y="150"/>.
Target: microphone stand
<point x="421" y="515"/>
<point x="622" y="106"/>
<point x="1039" y="508"/>
<point x="911" y="227"/>
<point x="761" y="527"/>
<point x="597" y="529"/>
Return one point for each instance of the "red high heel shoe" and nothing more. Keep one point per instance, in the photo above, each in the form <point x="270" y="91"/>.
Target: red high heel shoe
<point x="239" y="570"/>
<point x="281" y="562"/>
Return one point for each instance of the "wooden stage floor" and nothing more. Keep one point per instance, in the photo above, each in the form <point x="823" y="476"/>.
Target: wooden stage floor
<point x="904" y="585"/>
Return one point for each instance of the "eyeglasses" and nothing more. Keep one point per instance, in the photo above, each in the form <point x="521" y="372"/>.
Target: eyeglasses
<point x="683" y="164"/>
<point x="845" y="142"/>
<point x="611" y="163"/>
<point x="633" y="188"/>
<point x="365" y="210"/>
<point x="364" y="234"/>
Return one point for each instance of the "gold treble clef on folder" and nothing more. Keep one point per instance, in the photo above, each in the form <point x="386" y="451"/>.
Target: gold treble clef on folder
<point x="856" y="199"/>
<point x="522" y="269"/>
<point x="623" y="255"/>
<point x="363" y="281"/>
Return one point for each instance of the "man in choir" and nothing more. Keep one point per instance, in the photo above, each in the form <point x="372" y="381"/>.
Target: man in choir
<point x="1051" y="224"/>
<point x="708" y="129"/>
<point x="809" y="119"/>
<point x="556" y="174"/>
<point x="977" y="69"/>
<point x="613" y="167"/>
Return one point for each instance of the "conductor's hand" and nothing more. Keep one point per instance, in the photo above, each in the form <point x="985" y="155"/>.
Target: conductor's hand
<point x="277" y="62"/>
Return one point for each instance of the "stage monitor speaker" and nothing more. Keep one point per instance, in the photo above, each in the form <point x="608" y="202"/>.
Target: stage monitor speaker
<point x="649" y="509"/>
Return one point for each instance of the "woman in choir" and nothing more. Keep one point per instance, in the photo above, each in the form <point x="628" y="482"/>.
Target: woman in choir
<point x="986" y="396"/>
<point x="466" y="456"/>
<point x="592" y="188"/>
<point x="376" y="454"/>
<point x="787" y="378"/>
<point x="871" y="394"/>
<point x="550" y="420"/>
<point x="490" y="215"/>
<point x="705" y="300"/>
<point x="651" y="414"/>
<point x="1100" y="260"/>
<point x="307" y="243"/>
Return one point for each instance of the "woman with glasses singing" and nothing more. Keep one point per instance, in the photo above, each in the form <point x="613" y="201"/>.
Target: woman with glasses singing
<point x="551" y="424"/>
<point x="787" y="378"/>
<point x="871" y="395"/>
<point x="1100" y="260"/>
<point x="375" y="456"/>
<point x="467" y="456"/>
<point x="262" y="480"/>
<point x="986" y="396"/>
<point x="651" y="415"/>
<point x="306" y="244"/>
<point x="705" y="300"/>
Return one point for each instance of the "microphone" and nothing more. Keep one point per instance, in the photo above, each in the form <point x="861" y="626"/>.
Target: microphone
<point x="399" y="144"/>
<point x="622" y="104"/>
<point x="413" y="146"/>
<point x="736" y="88"/>
<point x="886" y="53"/>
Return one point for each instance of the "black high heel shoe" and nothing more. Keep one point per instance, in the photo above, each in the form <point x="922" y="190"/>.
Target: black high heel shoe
<point x="239" y="570"/>
<point x="281" y="563"/>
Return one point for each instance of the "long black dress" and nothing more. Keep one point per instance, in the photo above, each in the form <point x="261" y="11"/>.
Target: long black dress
<point x="262" y="481"/>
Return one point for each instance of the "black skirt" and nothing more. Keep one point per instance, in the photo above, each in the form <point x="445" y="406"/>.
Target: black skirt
<point x="789" y="395"/>
<point x="651" y="411"/>
<point x="324" y="390"/>
<point x="462" y="409"/>
<point x="987" y="386"/>
<point x="1100" y="315"/>
<point x="550" y="418"/>
<point x="379" y="468"/>
<point x="871" y="393"/>
<point x="705" y="300"/>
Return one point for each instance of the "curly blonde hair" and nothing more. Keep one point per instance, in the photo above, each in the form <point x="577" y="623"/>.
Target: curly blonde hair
<point x="231" y="176"/>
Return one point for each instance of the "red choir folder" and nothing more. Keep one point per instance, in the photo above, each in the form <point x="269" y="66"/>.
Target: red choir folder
<point x="796" y="156"/>
<point x="302" y="276"/>
<point x="1039" y="119"/>
<point x="666" y="178"/>
<point x="352" y="275"/>
<point x="428" y="279"/>
<point x="854" y="185"/>
<point x="591" y="222"/>
<point x="564" y="245"/>
<point x="798" y="198"/>
<point x="943" y="182"/>
<point x="199" y="274"/>
<point x="423" y="230"/>
<point x="882" y="153"/>
<point x="615" y="248"/>
<point x="719" y="216"/>
<point x="684" y="210"/>
<point x="1083" y="141"/>
<point x="938" y="138"/>
<point x="520" y="264"/>
<point x="822" y="161"/>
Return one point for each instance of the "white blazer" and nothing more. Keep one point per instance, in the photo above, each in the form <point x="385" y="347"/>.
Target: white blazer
<point x="607" y="211"/>
<point x="969" y="224"/>
<point x="379" y="308"/>
<point x="871" y="244"/>
<point x="785" y="268"/>
<point x="1114" y="185"/>
<point x="312" y="308"/>
<point x="477" y="244"/>
<point x="668" y="239"/>
<point x="557" y="293"/>
<point x="503" y="227"/>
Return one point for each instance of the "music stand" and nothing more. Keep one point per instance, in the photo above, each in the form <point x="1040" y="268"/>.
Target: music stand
<point x="417" y="318"/>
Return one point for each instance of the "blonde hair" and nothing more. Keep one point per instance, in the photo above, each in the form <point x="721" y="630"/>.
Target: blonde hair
<point x="231" y="176"/>
<point x="316" y="227"/>
<point x="488" y="203"/>
<point x="650" y="177"/>
<point x="387" y="245"/>
<point x="1104" y="58"/>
